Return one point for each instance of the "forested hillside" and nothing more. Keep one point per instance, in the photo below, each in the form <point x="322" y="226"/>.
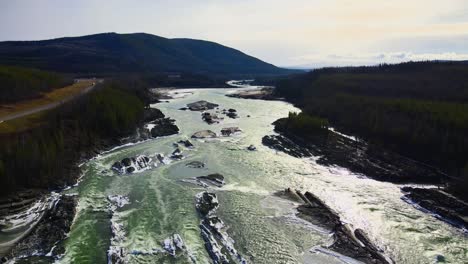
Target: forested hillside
<point x="112" y="53"/>
<point x="416" y="109"/>
<point x="18" y="83"/>
<point x="46" y="156"/>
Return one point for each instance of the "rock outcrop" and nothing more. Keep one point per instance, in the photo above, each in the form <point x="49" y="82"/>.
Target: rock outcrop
<point x="440" y="204"/>
<point x="265" y="93"/>
<point x="46" y="239"/>
<point x="163" y="127"/>
<point x="19" y="201"/>
<point x="219" y="245"/>
<point x="116" y="254"/>
<point x="357" y="156"/>
<point x="285" y="145"/>
<point x="354" y="244"/>
<point x="151" y="114"/>
<point x="133" y="164"/>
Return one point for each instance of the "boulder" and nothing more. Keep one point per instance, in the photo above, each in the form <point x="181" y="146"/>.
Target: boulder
<point x="201" y="106"/>
<point x="206" y="203"/>
<point x="232" y="115"/>
<point x="177" y="154"/>
<point x="186" y="143"/>
<point x="211" y="118"/>
<point x="251" y="148"/>
<point x="204" y="134"/>
<point x="127" y="162"/>
<point x="227" y="131"/>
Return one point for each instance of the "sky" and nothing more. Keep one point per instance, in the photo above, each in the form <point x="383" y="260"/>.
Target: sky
<point x="308" y="33"/>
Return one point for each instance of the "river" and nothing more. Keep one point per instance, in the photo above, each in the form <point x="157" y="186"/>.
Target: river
<point x="264" y="227"/>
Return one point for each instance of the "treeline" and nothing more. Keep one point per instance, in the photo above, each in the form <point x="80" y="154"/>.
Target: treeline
<point x="416" y="109"/>
<point x="22" y="83"/>
<point x="302" y="124"/>
<point x="46" y="156"/>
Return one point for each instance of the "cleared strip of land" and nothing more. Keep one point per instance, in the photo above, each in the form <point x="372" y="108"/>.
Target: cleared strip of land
<point x="19" y="116"/>
<point x="47" y="101"/>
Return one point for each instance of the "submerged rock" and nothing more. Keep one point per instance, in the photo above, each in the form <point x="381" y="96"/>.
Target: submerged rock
<point x="201" y="106"/>
<point x="174" y="244"/>
<point x="215" y="179"/>
<point x="204" y="134"/>
<point x="118" y="200"/>
<point x="439" y="204"/>
<point x="195" y="164"/>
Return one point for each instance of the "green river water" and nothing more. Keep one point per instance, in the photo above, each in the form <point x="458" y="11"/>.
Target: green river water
<point x="263" y="226"/>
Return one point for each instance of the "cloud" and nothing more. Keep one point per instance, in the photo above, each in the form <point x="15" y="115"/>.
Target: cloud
<point x="317" y="60"/>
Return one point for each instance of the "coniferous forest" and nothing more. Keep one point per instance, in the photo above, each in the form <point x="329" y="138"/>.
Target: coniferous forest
<point x="417" y="109"/>
<point x="23" y="83"/>
<point x="46" y="155"/>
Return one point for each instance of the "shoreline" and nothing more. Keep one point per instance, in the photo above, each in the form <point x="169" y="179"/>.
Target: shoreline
<point x="338" y="150"/>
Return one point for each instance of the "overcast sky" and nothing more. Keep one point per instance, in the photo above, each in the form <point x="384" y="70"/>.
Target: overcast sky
<point x="285" y="33"/>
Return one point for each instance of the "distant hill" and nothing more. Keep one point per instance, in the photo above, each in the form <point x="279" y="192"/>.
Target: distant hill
<point x="110" y="53"/>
